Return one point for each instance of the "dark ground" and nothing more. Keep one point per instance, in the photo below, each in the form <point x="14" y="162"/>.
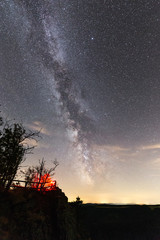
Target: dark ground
<point x="116" y="222"/>
<point x="27" y="214"/>
<point x="31" y="215"/>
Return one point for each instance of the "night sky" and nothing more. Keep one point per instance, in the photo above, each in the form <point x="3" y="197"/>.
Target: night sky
<point x="87" y="73"/>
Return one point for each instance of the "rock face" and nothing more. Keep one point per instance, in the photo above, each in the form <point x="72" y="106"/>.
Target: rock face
<point x="26" y="214"/>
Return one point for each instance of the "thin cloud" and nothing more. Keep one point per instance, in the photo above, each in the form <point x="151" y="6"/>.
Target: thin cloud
<point x="150" y="147"/>
<point x="30" y="142"/>
<point x="114" y="148"/>
<point x="34" y="143"/>
<point x="39" y="126"/>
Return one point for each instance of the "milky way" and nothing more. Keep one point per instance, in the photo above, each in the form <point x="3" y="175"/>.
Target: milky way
<point x="43" y="43"/>
<point x="86" y="71"/>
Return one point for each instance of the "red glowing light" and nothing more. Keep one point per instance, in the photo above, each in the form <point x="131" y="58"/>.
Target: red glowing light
<point x="44" y="183"/>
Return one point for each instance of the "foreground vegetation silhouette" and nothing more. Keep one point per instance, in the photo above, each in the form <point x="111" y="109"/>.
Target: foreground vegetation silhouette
<point x="13" y="148"/>
<point x="39" y="210"/>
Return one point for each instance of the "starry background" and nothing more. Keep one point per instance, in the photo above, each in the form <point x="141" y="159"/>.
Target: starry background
<point x="87" y="74"/>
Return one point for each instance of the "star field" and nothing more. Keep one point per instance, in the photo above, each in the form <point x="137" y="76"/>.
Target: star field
<point x="88" y="74"/>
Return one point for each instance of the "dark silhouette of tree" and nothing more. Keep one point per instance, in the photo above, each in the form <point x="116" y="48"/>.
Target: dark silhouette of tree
<point x="13" y="148"/>
<point x="39" y="176"/>
<point x="78" y="200"/>
<point x="77" y="203"/>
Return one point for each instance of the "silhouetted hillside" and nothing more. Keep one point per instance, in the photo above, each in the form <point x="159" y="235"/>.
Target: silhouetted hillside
<point x="27" y="214"/>
<point x="30" y="215"/>
<point x="120" y="222"/>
